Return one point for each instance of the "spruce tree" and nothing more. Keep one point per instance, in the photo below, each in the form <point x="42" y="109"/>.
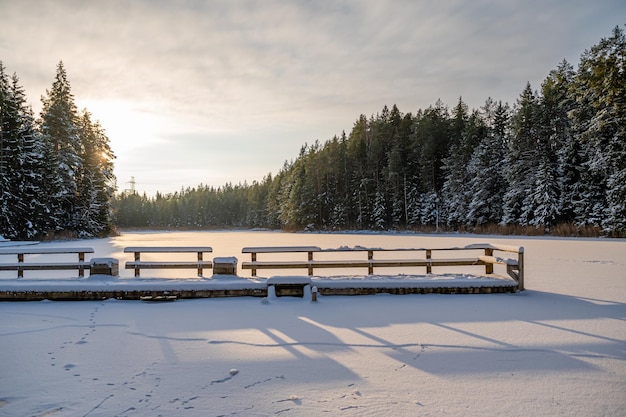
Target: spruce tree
<point x="96" y="181"/>
<point x="549" y="196"/>
<point x="22" y="161"/>
<point x="485" y="168"/>
<point x="11" y="208"/>
<point x="521" y="160"/>
<point x="600" y="125"/>
<point x="59" y="127"/>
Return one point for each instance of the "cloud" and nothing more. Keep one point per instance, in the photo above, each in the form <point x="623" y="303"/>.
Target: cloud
<point x="303" y="70"/>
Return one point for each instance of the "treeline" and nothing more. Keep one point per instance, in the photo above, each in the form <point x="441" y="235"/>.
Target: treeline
<point x="56" y="172"/>
<point x="556" y="157"/>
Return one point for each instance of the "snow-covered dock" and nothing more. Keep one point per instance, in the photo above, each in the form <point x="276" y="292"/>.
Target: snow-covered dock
<point x="409" y="265"/>
<point x="99" y="287"/>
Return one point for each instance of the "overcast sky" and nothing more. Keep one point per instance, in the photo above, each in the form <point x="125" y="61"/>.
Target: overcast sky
<point x="211" y="92"/>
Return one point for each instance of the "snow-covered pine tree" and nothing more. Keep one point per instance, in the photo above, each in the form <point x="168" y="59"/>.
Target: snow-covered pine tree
<point x="396" y="180"/>
<point x="414" y="209"/>
<point x="600" y="123"/>
<point x="58" y="125"/>
<point x="22" y="196"/>
<point x="554" y="134"/>
<point x="544" y="196"/>
<point x="431" y="213"/>
<point x="556" y="104"/>
<point x="96" y="180"/>
<point x="467" y="132"/>
<point x="521" y="160"/>
<point x="11" y="207"/>
<point x="485" y="168"/>
<point x="379" y="212"/>
<point x="36" y="220"/>
<point x="614" y="222"/>
<point x="453" y="191"/>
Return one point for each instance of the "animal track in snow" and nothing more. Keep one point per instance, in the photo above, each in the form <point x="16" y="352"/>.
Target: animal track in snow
<point x="264" y="381"/>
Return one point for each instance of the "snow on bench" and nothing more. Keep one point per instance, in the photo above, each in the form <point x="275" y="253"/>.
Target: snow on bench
<point x="20" y="266"/>
<point x="138" y="264"/>
<point x="514" y="266"/>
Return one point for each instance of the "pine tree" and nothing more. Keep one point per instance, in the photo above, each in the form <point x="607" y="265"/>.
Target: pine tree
<point x="548" y="196"/>
<point x="414" y="209"/>
<point x="467" y="132"/>
<point x="431" y="213"/>
<point x="485" y="168"/>
<point x="11" y="208"/>
<point x="59" y="127"/>
<point x="96" y="181"/>
<point x="22" y="200"/>
<point x="600" y="125"/>
<point x="544" y="196"/>
<point x="521" y="159"/>
<point x="379" y="213"/>
<point x="564" y="150"/>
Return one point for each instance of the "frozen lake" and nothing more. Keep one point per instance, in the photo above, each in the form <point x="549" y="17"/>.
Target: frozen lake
<point x="542" y="254"/>
<point x="556" y="349"/>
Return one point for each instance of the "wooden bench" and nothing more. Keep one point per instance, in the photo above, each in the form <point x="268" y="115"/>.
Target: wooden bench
<point x="198" y="264"/>
<point x="20" y="266"/>
<point x="486" y="259"/>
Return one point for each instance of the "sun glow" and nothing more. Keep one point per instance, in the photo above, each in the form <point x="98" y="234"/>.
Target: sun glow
<point x="128" y="125"/>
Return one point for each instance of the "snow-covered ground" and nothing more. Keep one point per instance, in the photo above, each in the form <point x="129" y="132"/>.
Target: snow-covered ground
<point x="558" y="348"/>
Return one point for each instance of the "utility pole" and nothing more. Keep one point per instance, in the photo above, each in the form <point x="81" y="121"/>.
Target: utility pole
<point x="132" y="185"/>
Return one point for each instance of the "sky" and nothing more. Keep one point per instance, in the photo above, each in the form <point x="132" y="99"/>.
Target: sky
<point x="214" y="92"/>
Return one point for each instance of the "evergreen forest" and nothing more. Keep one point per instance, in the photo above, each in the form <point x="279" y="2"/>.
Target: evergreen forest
<point x="552" y="162"/>
<point x="56" y="171"/>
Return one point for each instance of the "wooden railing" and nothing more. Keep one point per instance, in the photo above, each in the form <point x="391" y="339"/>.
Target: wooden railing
<point x="487" y="258"/>
<point x="198" y="264"/>
<point x="21" y="265"/>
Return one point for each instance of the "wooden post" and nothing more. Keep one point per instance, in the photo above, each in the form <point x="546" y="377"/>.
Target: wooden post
<point x="81" y="258"/>
<point x="253" y="259"/>
<point x="137" y="256"/>
<point x="370" y="257"/>
<point x="199" y="263"/>
<point x="429" y="268"/>
<point x="520" y="265"/>
<point x="310" y="258"/>
<point x="488" y="266"/>
<point x="20" y="271"/>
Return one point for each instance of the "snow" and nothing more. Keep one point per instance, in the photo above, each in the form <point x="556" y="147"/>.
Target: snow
<point x="289" y="280"/>
<point x="556" y="349"/>
<point x="230" y="260"/>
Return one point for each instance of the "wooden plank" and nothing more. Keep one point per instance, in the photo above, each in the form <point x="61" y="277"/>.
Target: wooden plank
<point x="475" y="246"/>
<point x="389" y="263"/>
<point x="137" y="264"/>
<point x="168" y="264"/>
<point x="167" y="249"/>
<point x="29" y="250"/>
<point x="30" y="266"/>
<point x="455" y="262"/>
<point x="281" y="249"/>
<point x="275" y="264"/>
<point x="359" y="263"/>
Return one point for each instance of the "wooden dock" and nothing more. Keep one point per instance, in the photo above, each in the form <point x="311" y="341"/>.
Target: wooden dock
<point x="484" y="257"/>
